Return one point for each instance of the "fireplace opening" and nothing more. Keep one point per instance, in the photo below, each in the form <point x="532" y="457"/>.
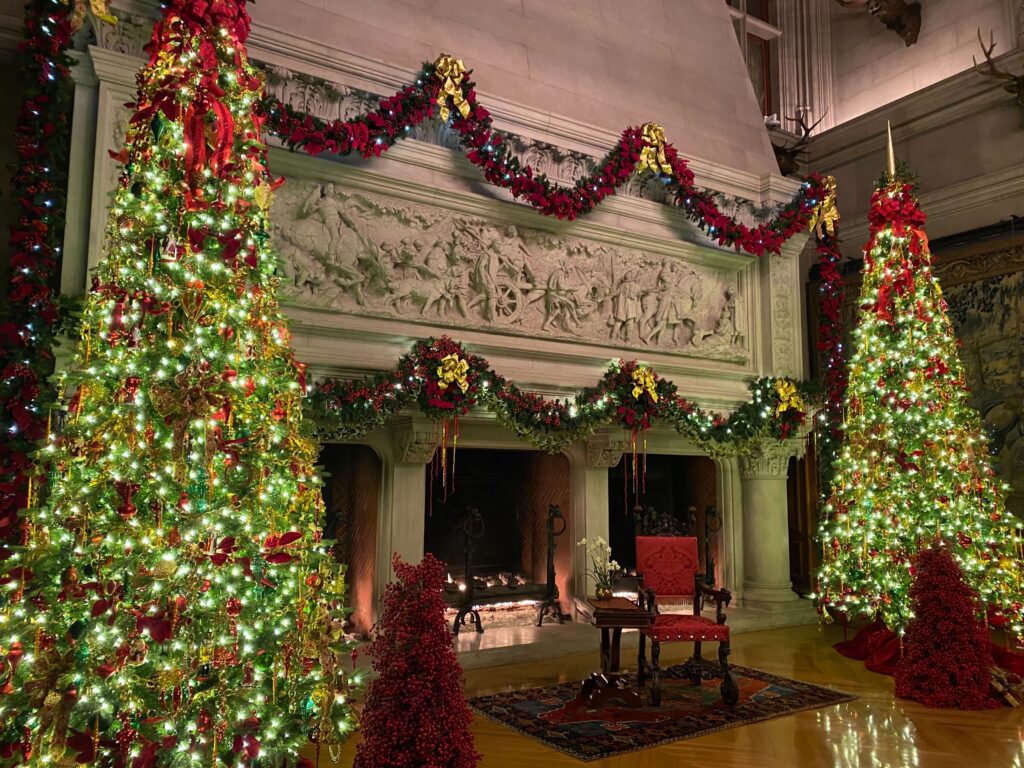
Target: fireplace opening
<point x="512" y="493"/>
<point x="677" y="497"/>
<point x="352" y="483"/>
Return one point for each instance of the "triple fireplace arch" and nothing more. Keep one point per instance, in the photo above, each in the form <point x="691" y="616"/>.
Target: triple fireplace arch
<point x="512" y="491"/>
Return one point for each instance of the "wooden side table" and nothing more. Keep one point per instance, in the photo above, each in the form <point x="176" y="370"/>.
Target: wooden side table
<point x="611" y="616"/>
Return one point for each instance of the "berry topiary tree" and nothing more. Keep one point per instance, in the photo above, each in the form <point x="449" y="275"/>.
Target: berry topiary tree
<point x="416" y="715"/>
<point x="947" y="660"/>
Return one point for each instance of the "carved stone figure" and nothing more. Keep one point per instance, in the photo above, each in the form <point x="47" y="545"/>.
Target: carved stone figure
<point x="561" y="307"/>
<point x="627" y="309"/>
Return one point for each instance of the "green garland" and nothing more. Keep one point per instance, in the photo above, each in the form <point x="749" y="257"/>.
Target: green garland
<point x="445" y="381"/>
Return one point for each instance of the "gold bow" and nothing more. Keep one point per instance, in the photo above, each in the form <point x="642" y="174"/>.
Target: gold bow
<point x="452" y="370"/>
<point x="451" y="72"/>
<point x="789" y="398"/>
<point x="653" y="154"/>
<point x="80" y="9"/>
<point x="644" y="381"/>
<point x="826" y="214"/>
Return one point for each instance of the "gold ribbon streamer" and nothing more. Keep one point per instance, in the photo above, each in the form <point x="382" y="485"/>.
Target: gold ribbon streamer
<point x="652" y="156"/>
<point x="80" y="9"/>
<point x="643" y="381"/>
<point x="826" y="214"/>
<point x="452" y="370"/>
<point x="451" y="72"/>
<point x="789" y="398"/>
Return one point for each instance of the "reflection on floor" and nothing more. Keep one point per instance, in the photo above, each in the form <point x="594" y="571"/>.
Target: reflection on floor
<point x="875" y="730"/>
<point x="524" y="643"/>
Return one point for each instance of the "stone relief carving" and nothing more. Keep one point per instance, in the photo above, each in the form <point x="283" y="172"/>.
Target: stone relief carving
<point x="784" y="315"/>
<point x="368" y="254"/>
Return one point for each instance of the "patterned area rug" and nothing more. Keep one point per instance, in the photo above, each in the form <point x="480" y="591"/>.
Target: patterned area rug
<point x="551" y="716"/>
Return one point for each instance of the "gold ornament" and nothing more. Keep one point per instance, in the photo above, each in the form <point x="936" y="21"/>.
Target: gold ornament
<point x="643" y="381"/>
<point x="652" y="156"/>
<point x="452" y="370"/>
<point x="826" y="214"/>
<point x="451" y="72"/>
<point x="789" y="398"/>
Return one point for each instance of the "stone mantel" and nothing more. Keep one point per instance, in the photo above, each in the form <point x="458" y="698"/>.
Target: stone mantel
<point x="733" y="317"/>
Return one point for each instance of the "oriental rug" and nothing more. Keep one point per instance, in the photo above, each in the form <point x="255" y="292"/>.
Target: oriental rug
<point x="551" y="716"/>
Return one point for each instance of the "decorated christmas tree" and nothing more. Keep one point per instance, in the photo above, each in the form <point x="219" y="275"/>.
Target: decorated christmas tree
<point x="173" y="603"/>
<point x="913" y="465"/>
<point x="416" y="714"/>
<point x="948" y="659"/>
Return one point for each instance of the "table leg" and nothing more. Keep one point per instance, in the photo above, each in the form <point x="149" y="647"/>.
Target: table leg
<point x="616" y="641"/>
<point x="605" y="651"/>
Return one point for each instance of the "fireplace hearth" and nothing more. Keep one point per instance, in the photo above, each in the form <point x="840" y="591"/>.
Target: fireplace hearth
<point x="494" y="527"/>
<point x="505" y="589"/>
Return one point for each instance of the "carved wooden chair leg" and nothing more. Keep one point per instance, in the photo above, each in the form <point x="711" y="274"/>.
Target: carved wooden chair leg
<point x="641" y="661"/>
<point x="730" y="689"/>
<point x="693" y="666"/>
<point x="656" y="670"/>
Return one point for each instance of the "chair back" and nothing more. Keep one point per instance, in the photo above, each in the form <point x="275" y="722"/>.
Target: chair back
<point x="668" y="564"/>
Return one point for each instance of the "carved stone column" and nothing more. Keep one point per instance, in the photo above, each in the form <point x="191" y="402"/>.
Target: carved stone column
<point x="729" y="498"/>
<point x="588" y="467"/>
<point x="402" y="522"/>
<point x="766" y="580"/>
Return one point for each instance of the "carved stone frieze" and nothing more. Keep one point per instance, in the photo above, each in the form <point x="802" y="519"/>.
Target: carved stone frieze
<point x="372" y="255"/>
<point x="332" y="101"/>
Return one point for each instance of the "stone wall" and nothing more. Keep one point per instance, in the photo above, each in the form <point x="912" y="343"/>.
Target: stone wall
<point x="873" y="67"/>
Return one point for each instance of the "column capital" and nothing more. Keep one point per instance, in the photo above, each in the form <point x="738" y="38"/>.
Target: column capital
<point x="415" y="439"/>
<point x="603" y="451"/>
<point x="769" y="459"/>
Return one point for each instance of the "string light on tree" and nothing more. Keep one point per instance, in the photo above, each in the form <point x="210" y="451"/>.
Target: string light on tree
<point x="913" y="464"/>
<point x="174" y="602"/>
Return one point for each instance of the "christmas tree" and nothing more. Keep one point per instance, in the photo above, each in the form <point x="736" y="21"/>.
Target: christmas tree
<point x="416" y="715"/>
<point x="948" y="659"/>
<point x="913" y="465"/>
<point x="174" y="603"/>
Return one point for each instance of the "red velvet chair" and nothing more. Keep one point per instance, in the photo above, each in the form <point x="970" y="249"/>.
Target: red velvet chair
<point x="668" y="569"/>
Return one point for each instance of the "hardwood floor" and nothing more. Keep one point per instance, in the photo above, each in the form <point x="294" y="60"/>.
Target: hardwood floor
<point x="875" y="730"/>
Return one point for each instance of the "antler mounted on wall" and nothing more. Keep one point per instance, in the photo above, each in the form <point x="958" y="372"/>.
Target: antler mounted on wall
<point x="790" y="156"/>
<point x="901" y="17"/>
<point x="1015" y="84"/>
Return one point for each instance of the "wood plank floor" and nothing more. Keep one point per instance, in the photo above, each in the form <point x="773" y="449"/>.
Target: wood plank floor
<point x="876" y="730"/>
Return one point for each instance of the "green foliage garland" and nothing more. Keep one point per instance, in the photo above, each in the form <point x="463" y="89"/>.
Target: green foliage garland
<point x="444" y="380"/>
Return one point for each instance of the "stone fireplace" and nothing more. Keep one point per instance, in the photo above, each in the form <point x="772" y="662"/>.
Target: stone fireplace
<point x="378" y="255"/>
